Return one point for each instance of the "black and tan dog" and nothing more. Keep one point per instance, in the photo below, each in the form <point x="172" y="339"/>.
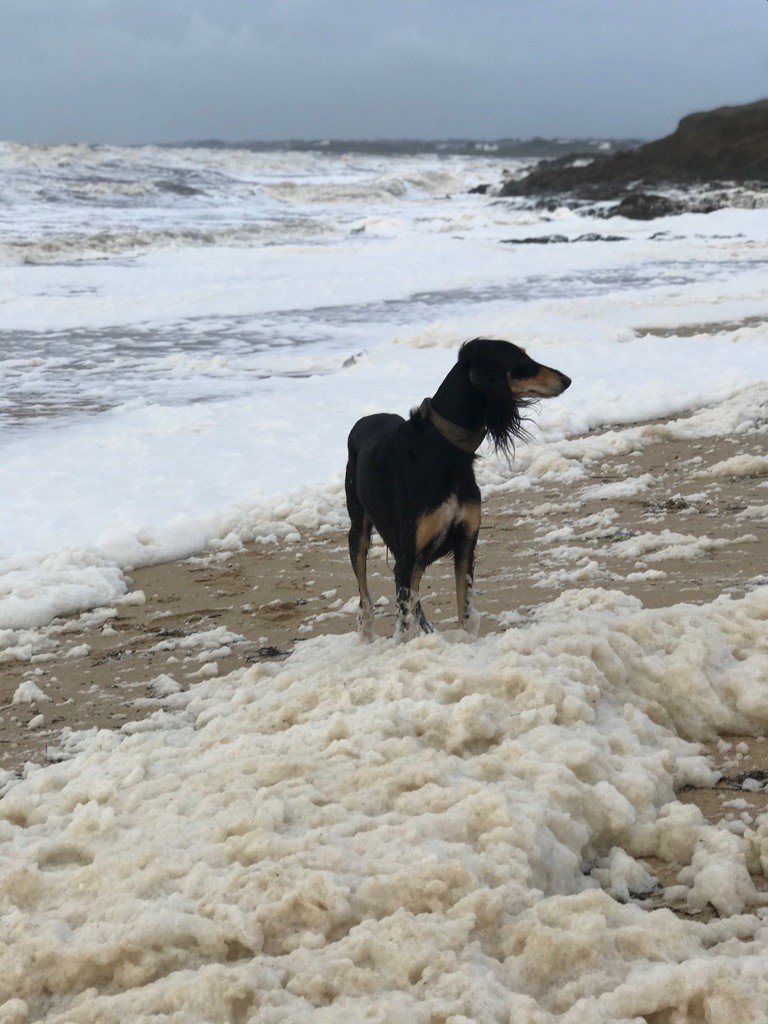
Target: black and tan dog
<point x="413" y="480"/>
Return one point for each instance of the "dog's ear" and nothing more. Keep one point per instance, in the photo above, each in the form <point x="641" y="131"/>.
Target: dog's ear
<point x="503" y="410"/>
<point x="488" y="383"/>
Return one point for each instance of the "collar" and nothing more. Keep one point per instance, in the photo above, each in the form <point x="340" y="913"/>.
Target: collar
<point x="460" y="437"/>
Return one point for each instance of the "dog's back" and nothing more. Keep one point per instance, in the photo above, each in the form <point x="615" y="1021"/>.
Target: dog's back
<point x="370" y="429"/>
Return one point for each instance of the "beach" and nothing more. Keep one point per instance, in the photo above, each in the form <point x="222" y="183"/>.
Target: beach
<point x="652" y="510"/>
<point x="217" y="803"/>
<point x="239" y="819"/>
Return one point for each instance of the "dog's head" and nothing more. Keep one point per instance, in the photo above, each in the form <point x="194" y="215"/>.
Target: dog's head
<point x="509" y="381"/>
<point x="498" y="366"/>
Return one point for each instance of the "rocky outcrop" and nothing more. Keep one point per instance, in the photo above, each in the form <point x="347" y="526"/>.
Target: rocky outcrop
<point x="727" y="144"/>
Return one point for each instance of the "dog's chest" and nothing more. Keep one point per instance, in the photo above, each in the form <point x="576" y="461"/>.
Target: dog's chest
<point x="432" y="528"/>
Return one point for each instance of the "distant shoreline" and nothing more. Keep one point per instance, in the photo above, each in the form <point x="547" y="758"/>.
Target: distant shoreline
<point x="533" y="148"/>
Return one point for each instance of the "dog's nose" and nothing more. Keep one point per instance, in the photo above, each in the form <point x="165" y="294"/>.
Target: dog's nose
<point x="566" y="381"/>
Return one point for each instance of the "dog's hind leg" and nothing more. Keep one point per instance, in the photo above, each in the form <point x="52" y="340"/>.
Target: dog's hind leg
<point x="359" y="543"/>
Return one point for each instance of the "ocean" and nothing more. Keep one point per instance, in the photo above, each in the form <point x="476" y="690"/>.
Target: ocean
<point x="186" y="334"/>
<point x="447" y="830"/>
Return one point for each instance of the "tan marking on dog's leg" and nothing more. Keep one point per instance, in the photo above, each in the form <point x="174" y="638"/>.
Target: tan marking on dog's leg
<point x="469" y="514"/>
<point x="431" y="525"/>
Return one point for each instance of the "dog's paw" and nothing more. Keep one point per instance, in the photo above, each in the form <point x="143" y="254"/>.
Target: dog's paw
<point x="471" y="623"/>
<point x="366" y="632"/>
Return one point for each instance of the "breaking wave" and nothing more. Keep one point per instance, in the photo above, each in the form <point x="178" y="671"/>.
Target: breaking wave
<point x="67" y="247"/>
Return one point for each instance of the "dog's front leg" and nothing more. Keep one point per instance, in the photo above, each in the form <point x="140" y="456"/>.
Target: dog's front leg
<point x="410" y="614"/>
<point x="404" y="597"/>
<point x="365" y="619"/>
<point x="464" y="571"/>
<point x="418" y="611"/>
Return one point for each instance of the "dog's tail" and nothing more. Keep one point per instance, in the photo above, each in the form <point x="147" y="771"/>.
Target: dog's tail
<point x="350" y="475"/>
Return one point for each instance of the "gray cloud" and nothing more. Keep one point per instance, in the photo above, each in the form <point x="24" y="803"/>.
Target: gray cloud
<point x="110" y="71"/>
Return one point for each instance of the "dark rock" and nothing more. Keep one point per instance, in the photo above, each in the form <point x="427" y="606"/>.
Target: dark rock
<point x="645" y="206"/>
<point x="590" y="236"/>
<point x="640" y="205"/>
<point x="537" y="240"/>
<point x="265" y="653"/>
<point x="479" y="190"/>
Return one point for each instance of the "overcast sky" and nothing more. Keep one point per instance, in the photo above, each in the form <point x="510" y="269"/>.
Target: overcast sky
<point x="124" y="71"/>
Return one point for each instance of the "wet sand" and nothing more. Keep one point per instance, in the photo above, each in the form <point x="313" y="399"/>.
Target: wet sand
<point x="206" y="616"/>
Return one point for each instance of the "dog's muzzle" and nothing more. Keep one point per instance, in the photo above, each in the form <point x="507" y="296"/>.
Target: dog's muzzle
<point x="547" y="383"/>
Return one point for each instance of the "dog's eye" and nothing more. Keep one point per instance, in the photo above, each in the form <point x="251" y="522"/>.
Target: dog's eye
<point x="523" y="372"/>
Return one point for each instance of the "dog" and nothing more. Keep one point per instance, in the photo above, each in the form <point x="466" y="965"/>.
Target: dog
<point x="413" y="480"/>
